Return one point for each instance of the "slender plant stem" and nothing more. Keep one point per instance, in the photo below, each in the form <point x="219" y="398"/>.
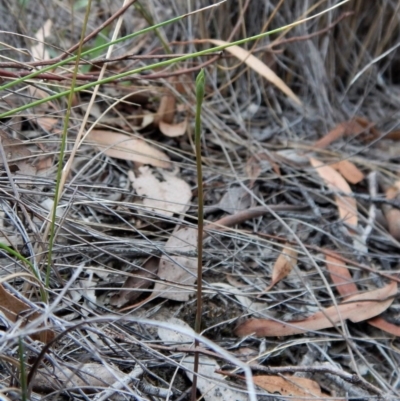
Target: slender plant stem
<point x="164" y="63"/>
<point x="200" y="80"/>
<point x="63" y="146"/>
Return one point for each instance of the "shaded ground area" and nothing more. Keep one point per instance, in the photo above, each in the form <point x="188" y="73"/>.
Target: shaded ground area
<point x="301" y="180"/>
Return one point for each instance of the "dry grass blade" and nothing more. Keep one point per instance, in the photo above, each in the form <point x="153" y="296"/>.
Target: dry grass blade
<point x="258" y="66"/>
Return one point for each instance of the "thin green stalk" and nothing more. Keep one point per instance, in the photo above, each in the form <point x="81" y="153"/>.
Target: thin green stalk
<point x="22" y="375"/>
<point x="200" y="83"/>
<point x="17" y="255"/>
<point x="147" y="16"/>
<point x="63" y="146"/>
<point x="85" y="53"/>
<point x="164" y="63"/>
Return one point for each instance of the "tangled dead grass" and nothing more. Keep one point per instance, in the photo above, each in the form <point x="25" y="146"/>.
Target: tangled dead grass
<point x="257" y="147"/>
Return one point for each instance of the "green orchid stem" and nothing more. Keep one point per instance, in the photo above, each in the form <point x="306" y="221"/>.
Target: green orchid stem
<point x="17" y="255"/>
<point x="200" y="81"/>
<point x="63" y="146"/>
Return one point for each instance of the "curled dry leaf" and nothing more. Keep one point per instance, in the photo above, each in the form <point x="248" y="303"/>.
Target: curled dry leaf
<point x="290" y="386"/>
<point x="166" y="197"/>
<point x="173" y="130"/>
<point x="283" y="265"/>
<point x="166" y="109"/>
<point x="180" y="271"/>
<point x="166" y="113"/>
<point x="259" y="67"/>
<point x="349" y="171"/>
<point x="340" y="276"/>
<point x="347" y="206"/>
<point x="356" y="308"/>
<point x="13" y="309"/>
<point x="139" y="279"/>
<point x="121" y="146"/>
<point x="393" y="219"/>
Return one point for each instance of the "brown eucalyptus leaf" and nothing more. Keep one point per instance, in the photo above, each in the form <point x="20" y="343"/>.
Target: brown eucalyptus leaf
<point x="290" y="386"/>
<point x="283" y="265"/>
<point x="356" y="308"/>
<point x="347" y="206"/>
<point x="349" y="171"/>
<point x="340" y="275"/>
<point x="173" y="130"/>
<point x="121" y="146"/>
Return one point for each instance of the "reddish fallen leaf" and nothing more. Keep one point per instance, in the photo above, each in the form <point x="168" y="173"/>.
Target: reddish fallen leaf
<point x="394" y="135"/>
<point x="393" y="219"/>
<point x="13" y="309"/>
<point x="384" y="325"/>
<point x="346" y="205"/>
<point x="393" y="191"/>
<point x="345" y="285"/>
<point x="283" y="265"/>
<point x="356" y="127"/>
<point x="290" y="386"/>
<point x="349" y="171"/>
<point x="356" y="308"/>
<point x="393" y="215"/>
<point x="125" y="147"/>
<point x="341" y="276"/>
<point x="332" y="136"/>
<point x="139" y="280"/>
